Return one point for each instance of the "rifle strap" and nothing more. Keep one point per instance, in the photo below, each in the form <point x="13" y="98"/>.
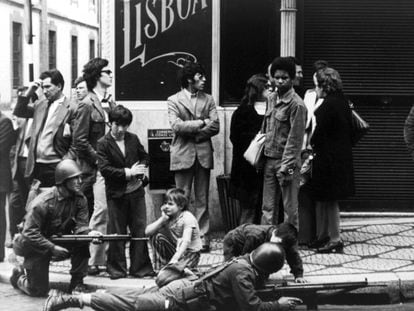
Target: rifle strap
<point x="216" y="270"/>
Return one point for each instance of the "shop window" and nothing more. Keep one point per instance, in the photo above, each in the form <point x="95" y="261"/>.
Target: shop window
<point x="249" y="42"/>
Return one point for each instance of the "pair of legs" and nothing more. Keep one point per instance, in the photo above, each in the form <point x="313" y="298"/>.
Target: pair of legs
<point x="128" y="211"/>
<point x="327" y="221"/>
<point x="200" y="176"/>
<point x="272" y="191"/>
<point x="35" y="280"/>
<point x="99" y="221"/>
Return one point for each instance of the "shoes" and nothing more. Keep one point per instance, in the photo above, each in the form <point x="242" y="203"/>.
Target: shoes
<point x="332" y="247"/>
<point x="149" y="274"/>
<point x="60" y="301"/>
<point x="205" y="248"/>
<point x="117" y="276"/>
<point x="93" y="270"/>
<point x="79" y="288"/>
<point x="319" y="243"/>
<point x="17" y="272"/>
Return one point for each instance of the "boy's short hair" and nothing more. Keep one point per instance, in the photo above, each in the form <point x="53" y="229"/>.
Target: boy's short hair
<point x="178" y="196"/>
<point x="120" y="115"/>
<point x="288" y="233"/>
<point x="78" y="80"/>
<point x="283" y="63"/>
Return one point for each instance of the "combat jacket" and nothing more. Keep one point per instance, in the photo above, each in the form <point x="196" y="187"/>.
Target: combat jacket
<point x="285" y="127"/>
<point x="52" y="214"/>
<point x="234" y="288"/>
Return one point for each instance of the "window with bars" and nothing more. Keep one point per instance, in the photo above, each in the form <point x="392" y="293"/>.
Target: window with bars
<point x="52" y="49"/>
<point x="17" y="55"/>
<point x="91" y="48"/>
<point x="74" y="62"/>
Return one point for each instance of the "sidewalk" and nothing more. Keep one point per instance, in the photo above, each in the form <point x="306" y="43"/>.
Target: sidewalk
<point x="379" y="250"/>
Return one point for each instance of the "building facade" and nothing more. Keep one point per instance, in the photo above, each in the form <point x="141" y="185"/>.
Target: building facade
<point x="65" y="36"/>
<point x="370" y="42"/>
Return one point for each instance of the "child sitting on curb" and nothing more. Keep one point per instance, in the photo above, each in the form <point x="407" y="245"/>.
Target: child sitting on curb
<point x="175" y="239"/>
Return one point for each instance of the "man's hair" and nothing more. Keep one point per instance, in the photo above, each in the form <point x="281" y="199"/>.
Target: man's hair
<point x="178" y="196"/>
<point x="78" y="80"/>
<point x="283" y="63"/>
<point x="319" y="64"/>
<point x="295" y="60"/>
<point x="329" y="80"/>
<point x="188" y="71"/>
<point x="92" y="71"/>
<point x="55" y="77"/>
<point x="288" y="233"/>
<point x="120" y="115"/>
<point x="254" y="89"/>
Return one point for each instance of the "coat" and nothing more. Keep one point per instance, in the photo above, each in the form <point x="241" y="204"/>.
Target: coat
<point x="245" y="124"/>
<point x="332" y="171"/>
<point x="112" y="162"/>
<point x="192" y="139"/>
<point x="7" y="139"/>
<point x="66" y="114"/>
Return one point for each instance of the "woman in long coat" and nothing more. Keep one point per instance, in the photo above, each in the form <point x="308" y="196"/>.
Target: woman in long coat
<point x="246" y="182"/>
<point x="332" y="172"/>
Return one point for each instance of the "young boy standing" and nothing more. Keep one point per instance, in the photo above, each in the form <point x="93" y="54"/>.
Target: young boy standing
<point x="122" y="162"/>
<point x="175" y="236"/>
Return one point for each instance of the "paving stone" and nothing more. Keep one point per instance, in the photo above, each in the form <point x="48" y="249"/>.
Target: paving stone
<point x="329" y="259"/>
<point x="377" y="264"/>
<point x="409" y="268"/>
<point x="338" y="270"/>
<point x="395" y="240"/>
<point x="407" y="233"/>
<point x="307" y="268"/>
<point x="402" y="253"/>
<point x="385" y="229"/>
<point x="360" y="249"/>
<point x="357" y="236"/>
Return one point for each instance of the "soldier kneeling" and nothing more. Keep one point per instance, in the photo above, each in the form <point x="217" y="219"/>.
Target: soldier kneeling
<point x="61" y="210"/>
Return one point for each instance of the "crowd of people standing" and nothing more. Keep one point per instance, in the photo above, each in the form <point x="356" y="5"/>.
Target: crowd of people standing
<point x="78" y="170"/>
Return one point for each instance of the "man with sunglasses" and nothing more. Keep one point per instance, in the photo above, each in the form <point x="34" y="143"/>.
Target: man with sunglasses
<point x="92" y="124"/>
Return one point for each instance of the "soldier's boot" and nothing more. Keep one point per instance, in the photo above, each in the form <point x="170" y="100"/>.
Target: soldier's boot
<point x="16" y="274"/>
<point x="58" y="301"/>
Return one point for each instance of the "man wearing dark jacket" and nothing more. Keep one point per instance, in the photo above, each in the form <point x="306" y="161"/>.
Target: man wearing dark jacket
<point x="231" y="286"/>
<point x="59" y="210"/>
<point x="123" y="163"/>
<point x="247" y="237"/>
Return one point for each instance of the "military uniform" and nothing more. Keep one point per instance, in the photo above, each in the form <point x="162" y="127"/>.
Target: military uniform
<point x="49" y="214"/>
<point x="230" y="287"/>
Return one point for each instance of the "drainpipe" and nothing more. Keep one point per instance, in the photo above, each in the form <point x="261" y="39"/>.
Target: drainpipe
<point x="287" y="27"/>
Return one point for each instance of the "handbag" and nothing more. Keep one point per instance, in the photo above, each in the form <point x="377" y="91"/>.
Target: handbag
<point x="359" y="126"/>
<point x="254" y="154"/>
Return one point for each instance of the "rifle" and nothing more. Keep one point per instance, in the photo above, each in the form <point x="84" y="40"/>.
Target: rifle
<point x="308" y="292"/>
<point x="97" y="239"/>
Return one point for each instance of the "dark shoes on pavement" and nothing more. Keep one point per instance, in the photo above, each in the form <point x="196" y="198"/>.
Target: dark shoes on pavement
<point x="332" y="247"/>
<point x="58" y="301"/>
<point x="319" y="243"/>
<point x="17" y="272"/>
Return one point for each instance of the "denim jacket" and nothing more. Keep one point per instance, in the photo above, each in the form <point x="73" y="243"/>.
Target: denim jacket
<point x="285" y="127"/>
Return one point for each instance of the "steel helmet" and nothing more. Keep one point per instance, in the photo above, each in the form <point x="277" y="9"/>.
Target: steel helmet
<point x="66" y="169"/>
<point x="268" y="257"/>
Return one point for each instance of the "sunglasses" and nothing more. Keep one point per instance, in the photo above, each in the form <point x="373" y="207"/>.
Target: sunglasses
<point x="108" y="72"/>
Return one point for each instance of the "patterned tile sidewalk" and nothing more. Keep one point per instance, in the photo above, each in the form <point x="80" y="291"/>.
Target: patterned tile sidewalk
<point x="381" y="250"/>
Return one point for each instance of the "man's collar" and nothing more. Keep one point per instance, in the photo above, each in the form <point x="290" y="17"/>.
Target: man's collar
<point x="59" y="100"/>
<point x="189" y="94"/>
<point x="286" y="97"/>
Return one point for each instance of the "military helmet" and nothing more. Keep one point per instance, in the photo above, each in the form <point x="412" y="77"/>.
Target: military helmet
<point x="66" y="169"/>
<point x="268" y="257"/>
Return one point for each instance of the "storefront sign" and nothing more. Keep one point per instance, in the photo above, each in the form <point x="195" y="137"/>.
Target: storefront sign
<point x="153" y="38"/>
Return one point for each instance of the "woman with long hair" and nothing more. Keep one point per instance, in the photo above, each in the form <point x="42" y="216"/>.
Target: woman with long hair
<point x="246" y="182"/>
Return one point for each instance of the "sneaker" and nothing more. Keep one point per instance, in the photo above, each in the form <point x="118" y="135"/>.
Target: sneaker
<point x="93" y="270"/>
<point x="60" y="301"/>
<point x="16" y="274"/>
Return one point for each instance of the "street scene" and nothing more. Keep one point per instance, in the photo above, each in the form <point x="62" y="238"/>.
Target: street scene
<point x="207" y="155"/>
